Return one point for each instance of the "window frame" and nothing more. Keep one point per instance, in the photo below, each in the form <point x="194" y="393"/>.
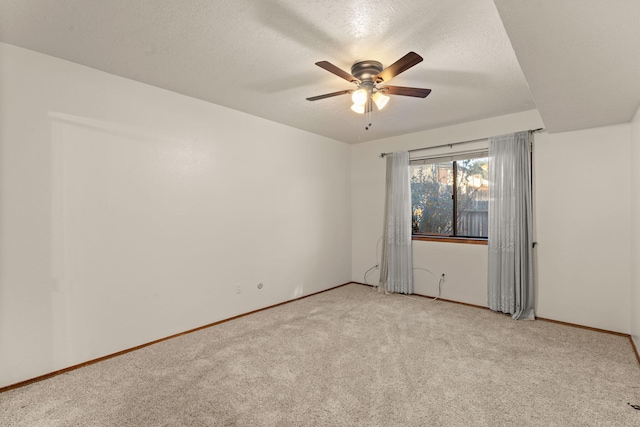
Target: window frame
<point x="453" y="158"/>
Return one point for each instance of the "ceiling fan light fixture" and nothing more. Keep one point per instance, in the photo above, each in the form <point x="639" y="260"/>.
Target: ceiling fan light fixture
<point x="359" y="97"/>
<point x="358" y="108"/>
<point x="380" y="99"/>
<point x="366" y="75"/>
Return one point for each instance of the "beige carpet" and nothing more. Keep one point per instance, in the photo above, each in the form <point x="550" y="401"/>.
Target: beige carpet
<point x="351" y="357"/>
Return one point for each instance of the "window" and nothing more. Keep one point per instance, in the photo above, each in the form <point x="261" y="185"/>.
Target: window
<point x="450" y="196"/>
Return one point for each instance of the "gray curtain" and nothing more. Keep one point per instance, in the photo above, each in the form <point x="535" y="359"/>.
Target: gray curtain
<point x="396" y="267"/>
<point x="510" y="226"/>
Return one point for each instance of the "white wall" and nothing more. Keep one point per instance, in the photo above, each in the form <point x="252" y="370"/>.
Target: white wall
<point x="465" y="266"/>
<point x="635" y="229"/>
<point x="129" y="213"/>
<point x="582" y="219"/>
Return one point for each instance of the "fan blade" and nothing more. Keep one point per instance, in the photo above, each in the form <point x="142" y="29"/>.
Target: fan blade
<point x="402" y="64"/>
<point x="329" y="95"/>
<point x="337" y="71"/>
<point x="406" y="91"/>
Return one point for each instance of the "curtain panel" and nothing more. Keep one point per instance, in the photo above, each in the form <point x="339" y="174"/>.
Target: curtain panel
<point x="396" y="267"/>
<point x="510" y="272"/>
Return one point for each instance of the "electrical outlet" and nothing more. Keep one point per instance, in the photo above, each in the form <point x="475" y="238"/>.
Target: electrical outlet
<point x="238" y="288"/>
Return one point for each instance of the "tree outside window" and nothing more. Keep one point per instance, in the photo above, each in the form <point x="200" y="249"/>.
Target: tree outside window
<point x="450" y="198"/>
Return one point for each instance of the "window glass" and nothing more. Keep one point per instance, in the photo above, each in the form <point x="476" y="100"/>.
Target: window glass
<point x="472" y="197"/>
<point x="450" y="198"/>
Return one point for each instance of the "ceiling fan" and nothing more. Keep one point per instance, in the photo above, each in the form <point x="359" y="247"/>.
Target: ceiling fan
<point x="369" y="77"/>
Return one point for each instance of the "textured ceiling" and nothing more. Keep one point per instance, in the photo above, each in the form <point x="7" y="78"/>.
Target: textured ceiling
<point x="258" y="56"/>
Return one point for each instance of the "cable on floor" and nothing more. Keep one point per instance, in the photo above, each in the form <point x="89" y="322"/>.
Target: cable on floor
<point x="440" y="282"/>
<point x="367" y="272"/>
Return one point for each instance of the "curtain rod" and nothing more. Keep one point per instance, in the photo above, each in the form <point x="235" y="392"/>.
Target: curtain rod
<point x="454" y="143"/>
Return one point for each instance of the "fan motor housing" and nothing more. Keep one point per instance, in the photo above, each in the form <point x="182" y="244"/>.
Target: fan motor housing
<point x="366" y="70"/>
